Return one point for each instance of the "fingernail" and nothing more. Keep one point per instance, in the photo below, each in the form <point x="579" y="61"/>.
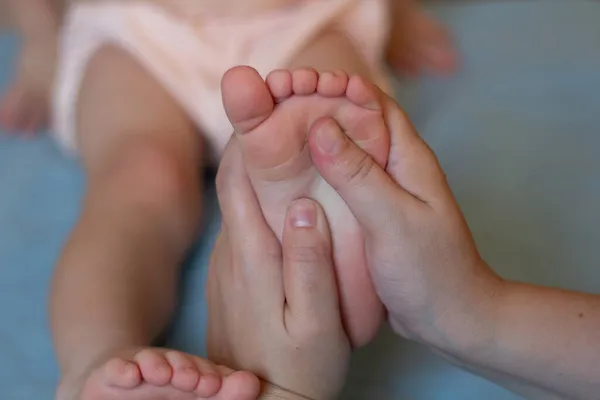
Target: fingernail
<point x="330" y="137"/>
<point x="303" y="214"/>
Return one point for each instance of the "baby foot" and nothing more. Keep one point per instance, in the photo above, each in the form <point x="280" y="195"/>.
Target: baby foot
<point x="25" y="106"/>
<point x="271" y="120"/>
<point x="160" y="374"/>
<point x="420" y="43"/>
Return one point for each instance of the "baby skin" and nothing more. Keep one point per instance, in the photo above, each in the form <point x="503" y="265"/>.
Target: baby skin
<point x="160" y="374"/>
<point x="271" y="119"/>
<point x="417" y="43"/>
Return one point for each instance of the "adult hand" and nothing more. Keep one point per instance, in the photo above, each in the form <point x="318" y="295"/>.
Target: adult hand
<point x="421" y="254"/>
<point x="540" y="342"/>
<point x="273" y="309"/>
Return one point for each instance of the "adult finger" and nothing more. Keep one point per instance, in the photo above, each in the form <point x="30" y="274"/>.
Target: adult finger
<point x="309" y="277"/>
<point x="371" y="194"/>
<point x="412" y="164"/>
<point x="256" y="250"/>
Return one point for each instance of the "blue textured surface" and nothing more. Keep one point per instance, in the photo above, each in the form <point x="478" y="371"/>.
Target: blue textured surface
<point x="517" y="132"/>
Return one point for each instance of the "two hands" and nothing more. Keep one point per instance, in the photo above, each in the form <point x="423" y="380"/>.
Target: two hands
<point x="273" y="308"/>
<point x="284" y="323"/>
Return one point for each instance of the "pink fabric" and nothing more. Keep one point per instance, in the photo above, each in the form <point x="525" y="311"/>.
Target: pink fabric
<point x="189" y="56"/>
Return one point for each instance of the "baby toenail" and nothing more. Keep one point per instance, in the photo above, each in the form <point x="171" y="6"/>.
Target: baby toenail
<point x="303" y="214"/>
<point x="330" y="137"/>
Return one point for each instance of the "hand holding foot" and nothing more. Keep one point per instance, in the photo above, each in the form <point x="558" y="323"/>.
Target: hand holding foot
<point x="420" y="252"/>
<point x="271" y="121"/>
<point x="160" y="374"/>
<point x="539" y="342"/>
<point x="273" y="309"/>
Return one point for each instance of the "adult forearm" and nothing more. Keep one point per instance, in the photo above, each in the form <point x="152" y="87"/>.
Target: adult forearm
<point x="536" y="340"/>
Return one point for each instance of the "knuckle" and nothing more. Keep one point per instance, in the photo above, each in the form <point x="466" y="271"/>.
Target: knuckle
<point x="358" y="169"/>
<point x="307" y="261"/>
<point x="305" y="255"/>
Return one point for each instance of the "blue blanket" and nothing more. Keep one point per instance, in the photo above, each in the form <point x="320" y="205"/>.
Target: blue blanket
<point x="517" y="132"/>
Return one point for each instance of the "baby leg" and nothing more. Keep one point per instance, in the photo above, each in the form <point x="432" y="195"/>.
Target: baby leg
<point x="115" y="285"/>
<point x="419" y="42"/>
<point x="24" y="107"/>
<point x="332" y="50"/>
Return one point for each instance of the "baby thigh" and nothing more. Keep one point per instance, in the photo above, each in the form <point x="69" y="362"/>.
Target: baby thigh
<point x="115" y="283"/>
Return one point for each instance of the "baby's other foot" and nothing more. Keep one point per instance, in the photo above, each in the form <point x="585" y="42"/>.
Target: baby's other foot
<point x="420" y="43"/>
<point x="25" y="105"/>
<point x="161" y="374"/>
<point x="271" y="120"/>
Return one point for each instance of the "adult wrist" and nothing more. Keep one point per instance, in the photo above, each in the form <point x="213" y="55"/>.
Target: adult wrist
<point x="467" y="332"/>
<point x="460" y="322"/>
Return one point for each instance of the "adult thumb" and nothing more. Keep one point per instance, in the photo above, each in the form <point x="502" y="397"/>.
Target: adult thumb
<point x="370" y="193"/>
<point x="309" y="278"/>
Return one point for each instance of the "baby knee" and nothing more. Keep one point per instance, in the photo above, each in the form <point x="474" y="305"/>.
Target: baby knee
<point x="152" y="176"/>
